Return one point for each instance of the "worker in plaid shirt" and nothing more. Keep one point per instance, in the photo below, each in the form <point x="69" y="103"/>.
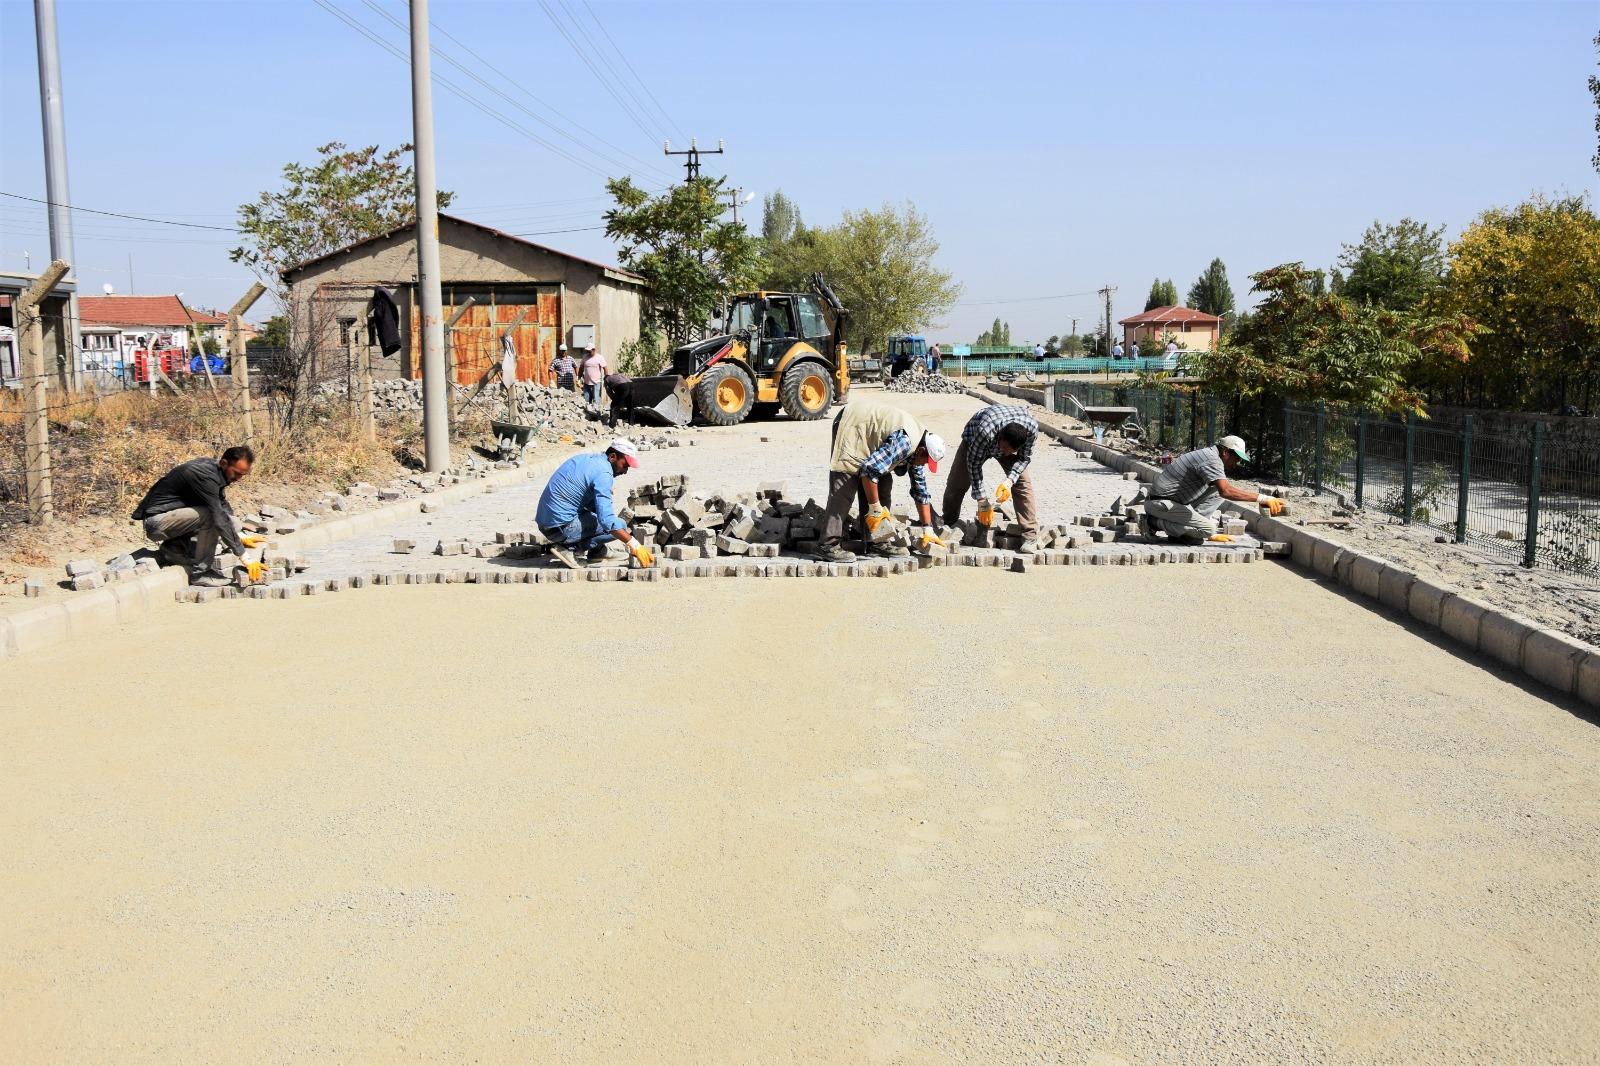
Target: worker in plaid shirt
<point x="1005" y="433"/>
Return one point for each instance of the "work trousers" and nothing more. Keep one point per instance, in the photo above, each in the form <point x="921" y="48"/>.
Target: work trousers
<point x="592" y="391"/>
<point x="621" y="397"/>
<point x="582" y="533"/>
<point x="187" y="534"/>
<point x="960" y="484"/>
<point x="1191" y="524"/>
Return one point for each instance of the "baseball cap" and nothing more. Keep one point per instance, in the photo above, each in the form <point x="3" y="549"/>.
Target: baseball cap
<point x="936" y="449"/>
<point x="624" y="447"/>
<point x="1235" y="445"/>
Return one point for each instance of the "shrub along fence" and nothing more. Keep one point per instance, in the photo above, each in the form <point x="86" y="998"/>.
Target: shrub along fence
<point x="1512" y="492"/>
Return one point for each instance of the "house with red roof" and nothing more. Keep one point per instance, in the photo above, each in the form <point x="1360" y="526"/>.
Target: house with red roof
<point x="1192" y="330"/>
<point x="112" y="327"/>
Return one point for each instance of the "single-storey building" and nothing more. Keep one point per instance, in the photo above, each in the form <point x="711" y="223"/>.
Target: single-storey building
<point x="113" y="327"/>
<point x="60" y="360"/>
<point x="542" y="296"/>
<point x="1193" y="330"/>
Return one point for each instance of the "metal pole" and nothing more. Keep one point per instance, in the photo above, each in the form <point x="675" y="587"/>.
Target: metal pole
<point x="1530" y="545"/>
<point x="1407" y="495"/>
<point x="1316" y="462"/>
<point x="35" y="392"/>
<point x="1288" y="434"/>
<point x="55" y="160"/>
<point x="435" y="402"/>
<point x="1361" y="454"/>
<point x="369" y="397"/>
<point x="1464" y="481"/>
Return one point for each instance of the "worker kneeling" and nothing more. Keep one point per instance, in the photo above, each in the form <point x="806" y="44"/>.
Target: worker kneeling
<point x="575" y="510"/>
<point x="1005" y="433"/>
<point x="1187" y="495"/>
<point x="186" y="512"/>
<point x="871" y="443"/>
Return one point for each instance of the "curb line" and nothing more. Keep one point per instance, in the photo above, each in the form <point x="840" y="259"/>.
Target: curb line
<point x="84" y="613"/>
<point x="1552" y="658"/>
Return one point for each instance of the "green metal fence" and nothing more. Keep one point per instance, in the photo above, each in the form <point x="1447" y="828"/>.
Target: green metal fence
<point x="1518" y="494"/>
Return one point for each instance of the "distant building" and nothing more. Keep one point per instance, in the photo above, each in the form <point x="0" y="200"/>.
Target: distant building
<point x="552" y="297"/>
<point x="60" y="360"/>
<point x="113" y="327"/>
<point x="1193" y="330"/>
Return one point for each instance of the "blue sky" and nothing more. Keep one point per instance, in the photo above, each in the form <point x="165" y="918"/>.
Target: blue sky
<point x="1054" y="146"/>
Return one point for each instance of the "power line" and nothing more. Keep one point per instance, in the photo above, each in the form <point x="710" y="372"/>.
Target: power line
<point x="362" y="29"/>
<point x="623" y="56"/>
<point x="581" y="54"/>
<point x="1027" y="299"/>
<point x="442" y="54"/>
<point x="594" y="47"/>
<point x="118" y="214"/>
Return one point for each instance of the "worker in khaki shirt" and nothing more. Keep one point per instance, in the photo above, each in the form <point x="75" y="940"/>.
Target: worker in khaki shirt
<point x="1187" y="495"/>
<point x="871" y="443"/>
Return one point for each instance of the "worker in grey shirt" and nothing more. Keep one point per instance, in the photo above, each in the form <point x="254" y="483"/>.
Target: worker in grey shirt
<point x="186" y="511"/>
<point x="1187" y="495"/>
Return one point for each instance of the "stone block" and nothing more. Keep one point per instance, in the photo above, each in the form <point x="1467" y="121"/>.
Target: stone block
<point x="430" y="507"/>
<point x="731" y="545"/>
<point x="82" y="568"/>
<point x="1501" y="636"/>
<point x="1325" y="554"/>
<point x="402" y="546"/>
<point x="1461" y="617"/>
<point x="1019" y="565"/>
<point x="1588" y="681"/>
<point x="85" y="582"/>
<point x="1365" y="574"/>
<point x="764" y="551"/>
<point x="1394" y="587"/>
<point x="146" y="566"/>
<point x="683" y="552"/>
<point x="1553" y="658"/>
<point x="33" y="587"/>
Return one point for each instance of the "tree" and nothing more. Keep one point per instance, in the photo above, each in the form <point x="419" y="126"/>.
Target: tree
<point x="1316" y="283"/>
<point x="1325" y="348"/>
<point x="880" y="263"/>
<point x="345" y="196"/>
<point x="274" y="334"/>
<point x="689" y="257"/>
<point x="780" y="218"/>
<point x="1162" y="294"/>
<point x="1594" y="90"/>
<point x="1528" y="274"/>
<point x="1396" y="267"/>
<point x="1211" y="292"/>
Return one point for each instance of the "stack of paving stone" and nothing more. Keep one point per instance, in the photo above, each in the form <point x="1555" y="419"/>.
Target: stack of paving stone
<point x="917" y="381"/>
<point x="85" y="574"/>
<point x="683" y="525"/>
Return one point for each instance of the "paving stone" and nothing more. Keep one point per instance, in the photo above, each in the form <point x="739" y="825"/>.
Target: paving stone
<point x="32" y="587"/>
<point x="683" y="552"/>
<point x="85" y="582"/>
<point x="82" y="567"/>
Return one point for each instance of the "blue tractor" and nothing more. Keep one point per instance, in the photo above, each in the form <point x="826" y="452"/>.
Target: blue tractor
<point x="904" y="352"/>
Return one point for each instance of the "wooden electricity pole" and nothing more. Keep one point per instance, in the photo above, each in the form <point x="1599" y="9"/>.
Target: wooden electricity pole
<point x="241" y="360"/>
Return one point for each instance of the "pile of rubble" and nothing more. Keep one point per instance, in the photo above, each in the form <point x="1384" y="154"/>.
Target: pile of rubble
<point x="917" y="381"/>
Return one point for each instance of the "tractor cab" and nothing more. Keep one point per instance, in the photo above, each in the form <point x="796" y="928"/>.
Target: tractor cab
<point x="908" y="350"/>
<point x="774" y="321"/>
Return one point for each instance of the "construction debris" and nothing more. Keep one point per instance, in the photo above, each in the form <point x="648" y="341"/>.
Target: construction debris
<point x="917" y="381"/>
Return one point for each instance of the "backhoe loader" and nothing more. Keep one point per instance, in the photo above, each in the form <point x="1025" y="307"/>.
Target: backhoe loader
<point x="779" y="348"/>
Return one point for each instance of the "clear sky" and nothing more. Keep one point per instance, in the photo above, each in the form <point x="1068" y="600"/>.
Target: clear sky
<point x="1054" y="146"/>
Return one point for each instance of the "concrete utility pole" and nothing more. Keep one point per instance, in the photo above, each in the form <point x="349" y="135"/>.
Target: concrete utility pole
<point x="737" y="198"/>
<point x="1106" y="292"/>
<point x="55" y="162"/>
<point x="435" y="399"/>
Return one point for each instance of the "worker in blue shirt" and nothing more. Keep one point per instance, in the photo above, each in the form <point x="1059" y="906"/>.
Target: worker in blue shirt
<point x="575" y="510"/>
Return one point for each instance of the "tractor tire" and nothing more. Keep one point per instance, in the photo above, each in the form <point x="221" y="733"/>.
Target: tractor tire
<point x="806" y="391"/>
<point x="724" y="396"/>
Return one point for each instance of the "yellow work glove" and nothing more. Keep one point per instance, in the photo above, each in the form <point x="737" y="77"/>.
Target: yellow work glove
<point x="643" y="554"/>
<point x="1273" y="506"/>
<point x="1220" y="538"/>
<point x="929" y="539"/>
<point x="1002" y="492"/>
<point x="986" y="514"/>
<point x="252" y="542"/>
<point x="256" y="571"/>
<point x="876" y="517"/>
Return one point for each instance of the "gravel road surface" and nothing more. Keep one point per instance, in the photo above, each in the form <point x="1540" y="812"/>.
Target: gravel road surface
<point x="1086" y="815"/>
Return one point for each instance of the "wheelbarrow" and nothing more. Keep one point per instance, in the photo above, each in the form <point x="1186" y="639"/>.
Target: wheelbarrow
<point x="1124" y="420"/>
<point x="511" y="437"/>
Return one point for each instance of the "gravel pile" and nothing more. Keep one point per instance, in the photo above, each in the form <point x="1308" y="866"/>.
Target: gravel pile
<point x="912" y="381"/>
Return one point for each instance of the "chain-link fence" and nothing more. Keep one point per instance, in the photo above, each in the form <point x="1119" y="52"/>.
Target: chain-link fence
<point x="1528" y="495"/>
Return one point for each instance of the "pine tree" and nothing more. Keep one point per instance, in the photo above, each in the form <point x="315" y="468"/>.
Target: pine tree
<point x="1211" y="292"/>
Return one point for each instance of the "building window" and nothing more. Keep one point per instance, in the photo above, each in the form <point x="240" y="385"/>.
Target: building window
<point x="346" y="325"/>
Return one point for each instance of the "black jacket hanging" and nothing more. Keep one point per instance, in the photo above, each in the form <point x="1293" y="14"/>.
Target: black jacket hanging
<point x="386" y="320"/>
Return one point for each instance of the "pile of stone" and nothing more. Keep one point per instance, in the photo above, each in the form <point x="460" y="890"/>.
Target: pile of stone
<point x="684" y="525"/>
<point x="917" y="381"/>
<point x="85" y="574"/>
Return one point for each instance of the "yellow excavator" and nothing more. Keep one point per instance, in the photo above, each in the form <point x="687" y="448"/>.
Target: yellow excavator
<point x="779" y="348"/>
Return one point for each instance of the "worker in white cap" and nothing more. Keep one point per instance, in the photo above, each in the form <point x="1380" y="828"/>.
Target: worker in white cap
<point x="564" y="369"/>
<point x="871" y="443"/>
<point x="576" y="512"/>
<point x="1187" y="495"/>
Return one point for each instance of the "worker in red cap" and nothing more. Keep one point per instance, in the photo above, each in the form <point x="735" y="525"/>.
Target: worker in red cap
<point x="575" y="509"/>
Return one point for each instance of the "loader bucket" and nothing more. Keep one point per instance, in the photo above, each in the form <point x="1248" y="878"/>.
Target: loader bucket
<point x="662" y="400"/>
